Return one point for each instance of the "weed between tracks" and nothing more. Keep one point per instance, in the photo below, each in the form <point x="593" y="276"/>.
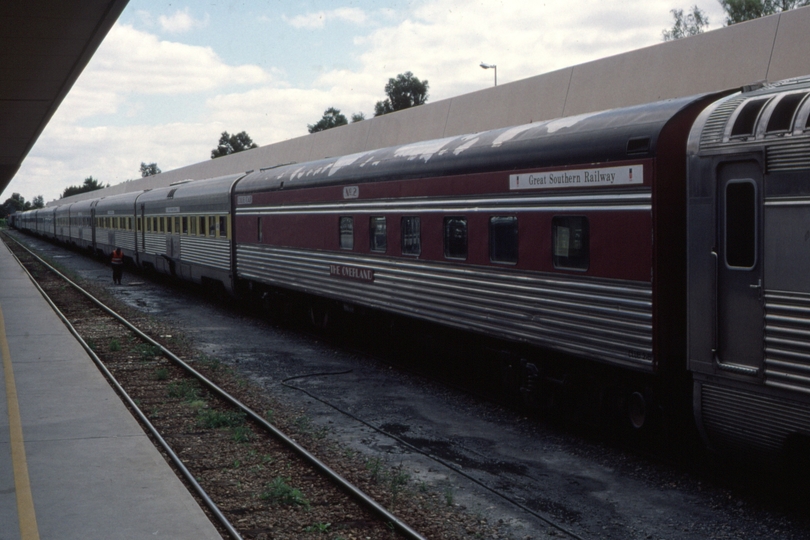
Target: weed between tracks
<point x="263" y="489"/>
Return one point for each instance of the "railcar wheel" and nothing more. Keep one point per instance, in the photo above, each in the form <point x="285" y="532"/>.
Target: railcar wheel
<point x="637" y="410"/>
<point x="319" y="316"/>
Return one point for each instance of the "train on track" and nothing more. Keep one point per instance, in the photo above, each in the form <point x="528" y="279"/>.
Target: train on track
<point x="668" y="242"/>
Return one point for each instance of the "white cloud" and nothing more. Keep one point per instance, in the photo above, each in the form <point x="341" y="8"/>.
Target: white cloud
<point x="181" y="22"/>
<point x="318" y="19"/>
<point x="132" y="62"/>
<point x="271" y="114"/>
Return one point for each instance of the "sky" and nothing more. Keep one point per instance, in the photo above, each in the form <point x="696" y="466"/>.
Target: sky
<point x="170" y="77"/>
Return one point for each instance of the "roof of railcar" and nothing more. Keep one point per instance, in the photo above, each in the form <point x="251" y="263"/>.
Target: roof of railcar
<point x="124" y="201"/>
<point x="212" y="189"/>
<point x="588" y="138"/>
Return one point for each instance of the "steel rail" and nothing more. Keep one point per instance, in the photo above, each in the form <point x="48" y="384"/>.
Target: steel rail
<point x="344" y="484"/>
<point x="129" y="401"/>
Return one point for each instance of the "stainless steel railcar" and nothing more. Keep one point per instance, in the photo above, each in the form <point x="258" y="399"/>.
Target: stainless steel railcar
<point x="114" y="225"/>
<point x="667" y="241"/>
<point x="185" y="230"/>
<point x="748" y="290"/>
<point x="568" y="235"/>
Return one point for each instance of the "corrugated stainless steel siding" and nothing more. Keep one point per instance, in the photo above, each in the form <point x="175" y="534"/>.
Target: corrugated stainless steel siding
<point x="789" y="155"/>
<point x="736" y="418"/>
<point x="212" y="252"/>
<point x="787" y="340"/>
<point x="610" y="320"/>
<point x="123" y="239"/>
<point x="155" y="244"/>
<point x="715" y="127"/>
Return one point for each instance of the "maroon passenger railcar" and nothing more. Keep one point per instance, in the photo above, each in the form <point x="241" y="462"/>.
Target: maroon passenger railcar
<point x="567" y="234"/>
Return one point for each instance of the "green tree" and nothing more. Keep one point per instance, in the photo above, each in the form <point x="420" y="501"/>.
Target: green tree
<point x="90" y="184"/>
<point x="693" y="23"/>
<point x="15" y="203"/>
<point x="744" y="10"/>
<point x="231" y="144"/>
<point x="358" y="117"/>
<point x="332" y="117"/>
<point x="149" y="169"/>
<point x="403" y="92"/>
<point x="38" y="202"/>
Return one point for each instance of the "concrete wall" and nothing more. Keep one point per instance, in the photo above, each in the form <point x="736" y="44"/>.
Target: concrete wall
<point x="768" y="49"/>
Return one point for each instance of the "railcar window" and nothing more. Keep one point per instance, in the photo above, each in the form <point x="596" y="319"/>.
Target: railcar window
<point x="140" y="224"/>
<point x="503" y="239"/>
<point x="148" y="224"/>
<point x="782" y="115"/>
<point x="202" y="226"/>
<point x="129" y="223"/>
<point x="741" y="233"/>
<point x="212" y="227"/>
<point x="177" y="225"/>
<point x="193" y="225"/>
<point x="378" y="235"/>
<point x="169" y="225"/>
<point x="185" y="225"/>
<point x="346" y="230"/>
<point x="162" y="224"/>
<point x="455" y="237"/>
<point x="746" y="120"/>
<point x="223" y="226"/>
<point x="411" y="227"/>
<point x="259" y="234"/>
<point x="570" y="241"/>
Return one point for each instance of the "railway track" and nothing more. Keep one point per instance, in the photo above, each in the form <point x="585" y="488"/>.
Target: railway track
<point x="254" y="480"/>
<point x="564" y="480"/>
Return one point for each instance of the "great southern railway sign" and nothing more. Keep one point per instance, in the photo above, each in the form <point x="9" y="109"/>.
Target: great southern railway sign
<point x="608" y="176"/>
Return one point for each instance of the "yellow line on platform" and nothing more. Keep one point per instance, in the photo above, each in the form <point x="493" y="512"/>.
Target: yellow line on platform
<point x="22" y="484"/>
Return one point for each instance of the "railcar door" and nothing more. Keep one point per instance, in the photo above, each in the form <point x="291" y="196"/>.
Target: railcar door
<point x="93" y="228"/>
<point x="740" y="310"/>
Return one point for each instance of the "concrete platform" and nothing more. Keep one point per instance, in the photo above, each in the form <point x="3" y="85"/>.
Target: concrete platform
<point x="74" y="463"/>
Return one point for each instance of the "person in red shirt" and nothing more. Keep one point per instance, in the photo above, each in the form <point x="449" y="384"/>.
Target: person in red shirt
<point x="117" y="262"/>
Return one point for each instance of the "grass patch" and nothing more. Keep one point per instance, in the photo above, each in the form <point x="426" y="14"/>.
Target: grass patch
<point x="398" y="481"/>
<point x="375" y="467"/>
<point x="161" y="374"/>
<point x="303" y="423"/>
<point x="213" y="419"/>
<point x="147" y="351"/>
<point x="449" y="498"/>
<point x="319" y="528"/>
<point x="187" y="390"/>
<point x="214" y="364"/>
<point x="115" y="345"/>
<point x="280" y="492"/>
<point x="241" y="434"/>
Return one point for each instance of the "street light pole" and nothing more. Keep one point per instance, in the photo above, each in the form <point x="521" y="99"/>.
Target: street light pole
<point x="493" y="66"/>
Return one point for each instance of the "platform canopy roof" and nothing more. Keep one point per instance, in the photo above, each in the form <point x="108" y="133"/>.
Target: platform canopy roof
<point x="44" y="46"/>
